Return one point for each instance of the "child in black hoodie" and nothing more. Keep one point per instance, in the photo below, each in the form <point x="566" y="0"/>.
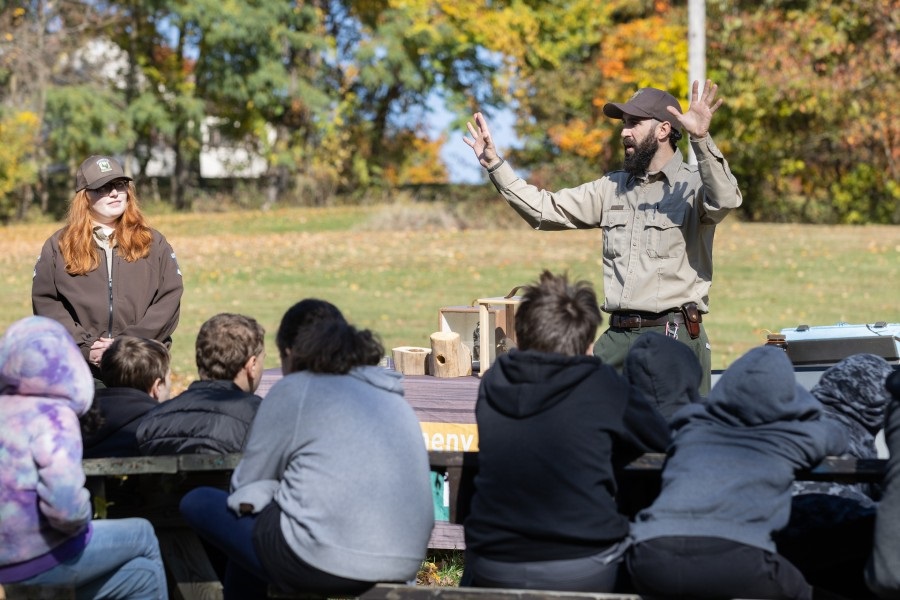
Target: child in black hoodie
<point x="552" y="422"/>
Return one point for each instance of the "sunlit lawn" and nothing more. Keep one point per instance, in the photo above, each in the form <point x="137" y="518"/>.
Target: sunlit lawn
<point x="394" y="282"/>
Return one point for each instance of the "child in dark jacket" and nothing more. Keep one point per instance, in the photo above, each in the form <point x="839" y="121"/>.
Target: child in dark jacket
<point x="213" y="415"/>
<point x="553" y="421"/>
<point x="138" y="378"/>
<point x="726" y="486"/>
<point x="829" y="536"/>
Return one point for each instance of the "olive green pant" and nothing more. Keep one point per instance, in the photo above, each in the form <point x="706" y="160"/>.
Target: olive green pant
<point x="613" y="345"/>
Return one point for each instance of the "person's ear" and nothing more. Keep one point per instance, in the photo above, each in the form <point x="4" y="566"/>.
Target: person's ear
<point x="156" y="388"/>
<point x="249" y="366"/>
<point x="663" y="130"/>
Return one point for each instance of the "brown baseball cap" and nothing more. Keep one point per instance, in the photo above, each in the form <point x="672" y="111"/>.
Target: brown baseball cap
<point x="646" y="102"/>
<point x="96" y="171"/>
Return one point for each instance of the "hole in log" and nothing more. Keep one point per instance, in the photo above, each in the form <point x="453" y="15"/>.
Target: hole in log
<point x="441" y="359"/>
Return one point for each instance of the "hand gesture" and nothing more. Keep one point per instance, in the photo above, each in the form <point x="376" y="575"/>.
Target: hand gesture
<point x="699" y="114"/>
<point x="482" y="144"/>
<point x="97" y="349"/>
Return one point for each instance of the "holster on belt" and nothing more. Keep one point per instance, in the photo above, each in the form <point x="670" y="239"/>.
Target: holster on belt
<point x="692" y="319"/>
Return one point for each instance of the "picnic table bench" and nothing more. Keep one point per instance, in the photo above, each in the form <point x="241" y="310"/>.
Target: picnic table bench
<point x="390" y="591"/>
<point x="195" y="578"/>
<point x="460" y="468"/>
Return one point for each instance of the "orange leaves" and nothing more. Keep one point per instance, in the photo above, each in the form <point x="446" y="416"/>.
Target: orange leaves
<point x="581" y="138"/>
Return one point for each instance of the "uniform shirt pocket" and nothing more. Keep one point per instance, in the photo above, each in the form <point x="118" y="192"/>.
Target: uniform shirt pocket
<point x="615" y="232"/>
<point x="663" y="233"/>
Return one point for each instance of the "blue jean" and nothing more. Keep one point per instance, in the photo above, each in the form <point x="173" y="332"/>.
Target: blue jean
<point x="206" y="510"/>
<point x="122" y="560"/>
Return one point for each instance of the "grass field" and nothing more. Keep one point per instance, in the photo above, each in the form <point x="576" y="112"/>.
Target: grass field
<point x="390" y="268"/>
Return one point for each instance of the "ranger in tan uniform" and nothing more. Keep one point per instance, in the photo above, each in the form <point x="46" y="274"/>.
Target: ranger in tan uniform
<point x="658" y="216"/>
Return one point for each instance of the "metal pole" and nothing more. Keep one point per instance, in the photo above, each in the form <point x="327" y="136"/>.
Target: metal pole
<point x="696" y="52"/>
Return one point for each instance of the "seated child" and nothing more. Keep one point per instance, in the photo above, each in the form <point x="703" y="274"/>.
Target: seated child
<point x="829" y="536"/>
<point x="553" y="422"/>
<point x="48" y="537"/>
<point x="726" y="486"/>
<point x="137" y="375"/>
<point x="213" y="415"/>
<point x="333" y="492"/>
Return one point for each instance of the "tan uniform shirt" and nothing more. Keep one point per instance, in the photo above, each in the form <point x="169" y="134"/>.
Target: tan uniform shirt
<point x="657" y="231"/>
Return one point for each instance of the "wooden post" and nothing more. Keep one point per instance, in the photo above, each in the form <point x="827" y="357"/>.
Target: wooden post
<point x="410" y="360"/>
<point x="449" y="356"/>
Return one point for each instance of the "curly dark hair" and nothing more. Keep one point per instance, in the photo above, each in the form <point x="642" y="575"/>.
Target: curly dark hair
<point x="335" y="347"/>
<point x="300" y="315"/>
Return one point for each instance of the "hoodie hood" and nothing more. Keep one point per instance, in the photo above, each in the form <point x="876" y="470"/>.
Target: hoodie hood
<point x="855" y="388"/>
<point x="386" y="379"/>
<point x="523" y="383"/>
<point x="760" y="388"/>
<point x="665" y="370"/>
<point x="38" y="357"/>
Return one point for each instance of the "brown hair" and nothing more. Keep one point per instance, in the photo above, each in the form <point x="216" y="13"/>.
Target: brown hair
<point x="76" y="243"/>
<point x="225" y="343"/>
<point x="134" y="362"/>
<point x="556" y="316"/>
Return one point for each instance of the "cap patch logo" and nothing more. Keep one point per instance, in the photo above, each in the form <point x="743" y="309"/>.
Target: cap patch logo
<point x="636" y="94"/>
<point x="103" y="165"/>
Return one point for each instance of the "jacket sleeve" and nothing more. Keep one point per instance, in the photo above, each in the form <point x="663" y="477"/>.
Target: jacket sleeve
<point x="162" y="316"/>
<point x="573" y="208"/>
<point x="62" y="497"/>
<point x="720" y="188"/>
<point x="45" y="298"/>
<point x="269" y="446"/>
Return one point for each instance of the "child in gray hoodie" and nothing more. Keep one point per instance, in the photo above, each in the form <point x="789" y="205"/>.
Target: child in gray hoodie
<point x="726" y="486"/>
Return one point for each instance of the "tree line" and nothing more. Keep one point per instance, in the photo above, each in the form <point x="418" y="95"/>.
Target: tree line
<point x="336" y="95"/>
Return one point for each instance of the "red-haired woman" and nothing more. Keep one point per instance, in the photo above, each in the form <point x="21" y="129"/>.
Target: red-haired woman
<point x="107" y="273"/>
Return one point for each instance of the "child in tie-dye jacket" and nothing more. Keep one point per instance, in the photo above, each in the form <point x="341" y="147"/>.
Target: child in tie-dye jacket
<point x="46" y="533"/>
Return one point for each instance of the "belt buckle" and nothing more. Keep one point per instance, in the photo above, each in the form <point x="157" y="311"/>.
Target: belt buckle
<point x="633" y="317"/>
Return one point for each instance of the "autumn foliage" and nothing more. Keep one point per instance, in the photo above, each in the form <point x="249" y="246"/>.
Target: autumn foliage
<point x="339" y="96"/>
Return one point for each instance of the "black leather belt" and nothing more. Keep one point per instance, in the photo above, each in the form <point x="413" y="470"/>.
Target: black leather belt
<point x="636" y="320"/>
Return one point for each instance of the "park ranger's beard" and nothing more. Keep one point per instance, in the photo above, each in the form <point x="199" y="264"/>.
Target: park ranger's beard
<point x="638" y="161"/>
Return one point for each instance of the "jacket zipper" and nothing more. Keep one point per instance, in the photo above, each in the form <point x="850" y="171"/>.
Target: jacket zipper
<point x="110" y="288"/>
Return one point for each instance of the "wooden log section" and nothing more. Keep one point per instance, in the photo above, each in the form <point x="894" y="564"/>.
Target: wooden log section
<point x="449" y="356"/>
<point x="411" y="360"/>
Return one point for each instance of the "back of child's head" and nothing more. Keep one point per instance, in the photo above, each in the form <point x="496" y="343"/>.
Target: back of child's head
<point x="333" y="346"/>
<point x="134" y="362"/>
<point x="556" y="316"/>
<point x="854" y="387"/>
<point x="38" y="357"/>
<point x="300" y="315"/>
<point x="760" y="387"/>
<point x="665" y="370"/>
<point x="224" y="344"/>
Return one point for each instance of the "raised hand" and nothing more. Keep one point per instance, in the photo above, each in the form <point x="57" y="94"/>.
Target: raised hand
<point x="699" y="114"/>
<point x="481" y="142"/>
